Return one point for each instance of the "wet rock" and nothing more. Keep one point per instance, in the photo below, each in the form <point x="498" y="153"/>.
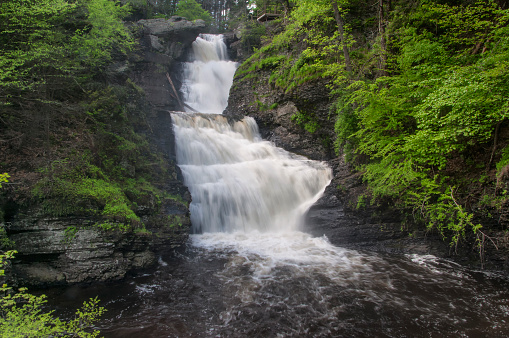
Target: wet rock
<point x="164" y="44"/>
<point x="155" y="43"/>
<point x="67" y="250"/>
<point x="72" y="250"/>
<point x="337" y="214"/>
<point x="276" y="113"/>
<point x="174" y="27"/>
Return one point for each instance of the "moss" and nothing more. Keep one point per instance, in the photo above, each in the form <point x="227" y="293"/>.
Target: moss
<point x="112" y="226"/>
<point x="174" y="221"/>
<point x="142" y="231"/>
<point x="70" y="234"/>
<point x="306" y="120"/>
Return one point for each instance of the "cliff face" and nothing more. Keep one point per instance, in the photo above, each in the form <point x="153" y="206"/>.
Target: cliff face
<point x="71" y="248"/>
<point x="336" y="214"/>
<point x="275" y="113"/>
<point x="343" y="214"/>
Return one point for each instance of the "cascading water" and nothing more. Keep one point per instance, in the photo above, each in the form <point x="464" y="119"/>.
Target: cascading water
<point x="209" y="76"/>
<point x="251" y="273"/>
<point x="238" y="182"/>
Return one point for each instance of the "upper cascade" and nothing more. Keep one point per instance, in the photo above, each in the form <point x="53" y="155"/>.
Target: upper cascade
<point x="209" y="76"/>
<point x="209" y="47"/>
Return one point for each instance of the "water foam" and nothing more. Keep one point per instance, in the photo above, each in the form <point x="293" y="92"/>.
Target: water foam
<point x="239" y="182"/>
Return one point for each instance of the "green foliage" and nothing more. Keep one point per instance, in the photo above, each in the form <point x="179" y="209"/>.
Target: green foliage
<point x="105" y="34"/>
<point x="361" y="202"/>
<point x="44" y="42"/>
<point x="142" y="231"/>
<point x="251" y="35"/>
<point x="115" y="176"/>
<point x="113" y="226"/>
<point x="307" y="121"/>
<point x="174" y="221"/>
<point x="504" y="160"/>
<point x="5" y="242"/>
<point x="443" y="93"/>
<point x="70" y="234"/>
<point x="23" y="314"/>
<point x="441" y="101"/>
<point x="146" y="9"/>
<point x="4" y="178"/>
<point x="192" y="10"/>
<point x="97" y="197"/>
<point x="31" y="39"/>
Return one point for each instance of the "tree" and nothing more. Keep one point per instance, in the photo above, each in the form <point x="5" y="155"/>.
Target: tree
<point x="381" y="33"/>
<point x="44" y="45"/>
<point x="31" y="39"/>
<point x="105" y="34"/>
<point x="339" y="21"/>
<point x="192" y="10"/>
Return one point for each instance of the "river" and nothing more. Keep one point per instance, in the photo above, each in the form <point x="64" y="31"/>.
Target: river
<point x="250" y="271"/>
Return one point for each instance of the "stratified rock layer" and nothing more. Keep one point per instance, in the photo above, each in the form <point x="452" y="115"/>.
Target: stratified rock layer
<point x="71" y="249"/>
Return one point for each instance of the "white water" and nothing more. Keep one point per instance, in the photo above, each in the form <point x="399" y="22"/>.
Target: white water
<point x="239" y="182"/>
<point x="209" y="76"/>
<point x="245" y="191"/>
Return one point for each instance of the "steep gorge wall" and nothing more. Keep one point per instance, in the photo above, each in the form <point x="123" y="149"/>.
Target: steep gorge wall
<point x="336" y="215"/>
<point x="69" y="248"/>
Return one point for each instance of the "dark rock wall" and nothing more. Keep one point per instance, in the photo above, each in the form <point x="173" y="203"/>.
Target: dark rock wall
<point x="273" y="110"/>
<point x="65" y="250"/>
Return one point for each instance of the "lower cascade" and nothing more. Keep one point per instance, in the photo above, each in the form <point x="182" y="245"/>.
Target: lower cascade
<point x="247" y="194"/>
<point x="239" y="182"/>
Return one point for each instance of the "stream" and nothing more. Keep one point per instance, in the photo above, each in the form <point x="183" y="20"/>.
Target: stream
<point x="250" y="271"/>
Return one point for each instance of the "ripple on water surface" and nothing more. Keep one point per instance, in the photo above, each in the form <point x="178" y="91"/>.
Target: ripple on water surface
<point x="293" y="285"/>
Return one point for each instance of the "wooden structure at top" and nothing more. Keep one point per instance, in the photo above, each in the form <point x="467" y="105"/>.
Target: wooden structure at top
<point x="267" y="17"/>
<point x="270" y="12"/>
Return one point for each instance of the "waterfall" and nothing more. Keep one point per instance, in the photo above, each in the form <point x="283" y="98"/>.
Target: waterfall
<point x="250" y="272"/>
<point x="238" y="182"/>
<point x="208" y="78"/>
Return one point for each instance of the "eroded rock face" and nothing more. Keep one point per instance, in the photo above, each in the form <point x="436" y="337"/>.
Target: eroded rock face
<point x="171" y="36"/>
<point x="164" y="43"/>
<point x="276" y="113"/>
<point x="336" y="214"/>
<point x="67" y="250"/>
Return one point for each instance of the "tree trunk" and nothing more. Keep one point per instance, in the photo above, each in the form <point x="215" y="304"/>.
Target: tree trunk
<point x="339" y="21"/>
<point x="383" y="40"/>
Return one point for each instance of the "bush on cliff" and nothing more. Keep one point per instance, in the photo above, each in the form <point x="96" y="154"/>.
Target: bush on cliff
<point x="422" y="109"/>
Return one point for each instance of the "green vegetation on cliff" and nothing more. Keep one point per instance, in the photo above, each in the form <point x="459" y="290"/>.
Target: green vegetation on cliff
<point x="192" y="10"/>
<point x="22" y="314"/>
<point x="69" y="112"/>
<point x="420" y="99"/>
